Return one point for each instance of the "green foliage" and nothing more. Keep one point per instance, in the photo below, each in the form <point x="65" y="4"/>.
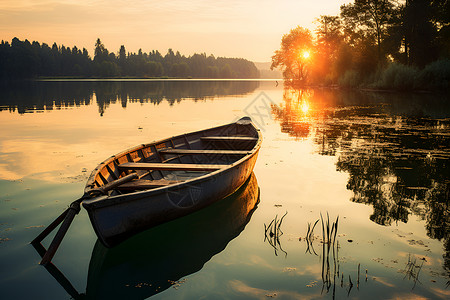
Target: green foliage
<point x="351" y="79"/>
<point x="382" y="44"/>
<point x="397" y="77"/>
<point x="290" y="56"/>
<point x="107" y="69"/>
<point x="22" y="59"/>
<point x="435" y="75"/>
<point x="101" y="53"/>
<point x="366" y="21"/>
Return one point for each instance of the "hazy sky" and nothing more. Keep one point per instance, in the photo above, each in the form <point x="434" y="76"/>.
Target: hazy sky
<point x="251" y="29"/>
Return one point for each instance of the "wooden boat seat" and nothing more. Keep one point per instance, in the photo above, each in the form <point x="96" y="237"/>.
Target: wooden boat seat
<point x="193" y="152"/>
<point x="229" y="138"/>
<point x="170" y="167"/>
<point x="142" y="184"/>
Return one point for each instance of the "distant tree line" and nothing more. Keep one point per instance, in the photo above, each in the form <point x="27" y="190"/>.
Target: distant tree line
<point x="22" y="59"/>
<point x="399" y="44"/>
<point x="34" y="96"/>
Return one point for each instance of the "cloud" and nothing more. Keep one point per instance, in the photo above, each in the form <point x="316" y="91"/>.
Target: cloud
<point x="258" y="293"/>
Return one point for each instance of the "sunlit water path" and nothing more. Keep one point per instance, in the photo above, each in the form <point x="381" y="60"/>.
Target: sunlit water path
<point x="374" y="164"/>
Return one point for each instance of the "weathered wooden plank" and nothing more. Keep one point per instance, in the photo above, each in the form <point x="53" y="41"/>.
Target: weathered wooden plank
<point x="229" y="138"/>
<point x="146" y="184"/>
<point x="171" y="167"/>
<point x="193" y="152"/>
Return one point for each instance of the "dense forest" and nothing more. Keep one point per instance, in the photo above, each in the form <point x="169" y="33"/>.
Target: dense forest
<point x="387" y="44"/>
<point x="23" y="60"/>
<point x="36" y="96"/>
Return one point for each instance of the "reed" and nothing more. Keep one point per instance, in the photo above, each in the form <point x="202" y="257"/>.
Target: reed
<point x="357" y="282"/>
<point x="329" y="271"/>
<point x="310" y="237"/>
<point x="329" y="230"/>
<point x="332" y="276"/>
<point x="273" y="232"/>
<point x="412" y="270"/>
<point x="350" y="285"/>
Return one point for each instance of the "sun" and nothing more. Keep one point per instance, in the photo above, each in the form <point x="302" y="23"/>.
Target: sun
<point x="305" y="54"/>
<point x="304" y="107"/>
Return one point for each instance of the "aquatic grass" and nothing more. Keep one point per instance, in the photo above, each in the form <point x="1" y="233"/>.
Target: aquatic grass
<point x="330" y="264"/>
<point x="412" y="270"/>
<point x="310" y="237"/>
<point x="310" y="231"/>
<point x="350" y="285"/>
<point x="329" y="230"/>
<point x="273" y="232"/>
<point x="329" y="234"/>
<point x="357" y="282"/>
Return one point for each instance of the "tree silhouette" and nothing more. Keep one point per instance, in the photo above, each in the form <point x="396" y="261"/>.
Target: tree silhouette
<point x="291" y="56"/>
<point x="23" y="60"/>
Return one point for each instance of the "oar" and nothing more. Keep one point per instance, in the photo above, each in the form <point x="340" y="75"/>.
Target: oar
<point x="58" y="275"/>
<point x="69" y="214"/>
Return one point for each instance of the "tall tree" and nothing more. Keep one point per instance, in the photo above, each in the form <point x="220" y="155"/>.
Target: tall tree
<point x="420" y="32"/>
<point x="100" y="52"/>
<point x="368" y="19"/>
<point x="329" y="38"/>
<point x="293" y="57"/>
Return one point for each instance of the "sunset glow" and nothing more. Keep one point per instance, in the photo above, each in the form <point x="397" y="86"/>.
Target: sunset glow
<point x="304" y="107"/>
<point x="305" y="54"/>
<point x="223" y="28"/>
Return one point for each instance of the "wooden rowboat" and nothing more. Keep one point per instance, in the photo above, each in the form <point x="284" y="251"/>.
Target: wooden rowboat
<point x="158" y="182"/>
<point x="161" y="181"/>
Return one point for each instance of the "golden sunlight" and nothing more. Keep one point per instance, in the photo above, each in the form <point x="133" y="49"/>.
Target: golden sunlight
<point x="305" y="54"/>
<point x="304" y="107"/>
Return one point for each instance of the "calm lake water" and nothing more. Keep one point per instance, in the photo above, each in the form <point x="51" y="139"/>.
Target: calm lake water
<point x="375" y="164"/>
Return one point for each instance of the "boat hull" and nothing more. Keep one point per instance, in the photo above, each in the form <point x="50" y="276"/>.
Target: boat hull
<point x="140" y="211"/>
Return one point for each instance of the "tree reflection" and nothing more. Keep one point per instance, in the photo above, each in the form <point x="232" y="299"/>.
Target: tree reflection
<point x="293" y="119"/>
<point x="32" y="96"/>
<point x="395" y="151"/>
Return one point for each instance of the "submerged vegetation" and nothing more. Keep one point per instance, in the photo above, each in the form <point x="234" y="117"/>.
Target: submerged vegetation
<point x="24" y="60"/>
<point x="379" y="44"/>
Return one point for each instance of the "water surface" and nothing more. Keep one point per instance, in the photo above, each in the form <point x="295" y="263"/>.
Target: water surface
<point x="379" y="162"/>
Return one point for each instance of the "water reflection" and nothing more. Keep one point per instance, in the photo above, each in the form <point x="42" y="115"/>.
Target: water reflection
<point x="32" y="96"/>
<point x="394" y="148"/>
<point x="272" y="234"/>
<point x="158" y="259"/>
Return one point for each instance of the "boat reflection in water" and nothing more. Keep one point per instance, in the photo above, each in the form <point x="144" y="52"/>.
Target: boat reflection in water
<point x="154" y="260"/>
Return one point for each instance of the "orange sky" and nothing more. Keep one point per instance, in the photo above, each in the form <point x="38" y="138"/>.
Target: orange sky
<point x="250" y="29"/>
